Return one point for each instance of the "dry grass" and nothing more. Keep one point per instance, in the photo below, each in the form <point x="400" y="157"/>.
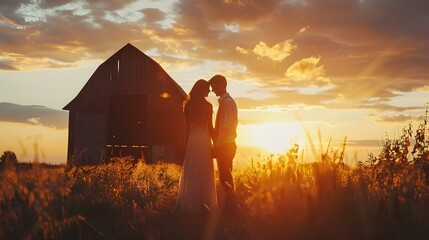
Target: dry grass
<point x="383" y="197"/>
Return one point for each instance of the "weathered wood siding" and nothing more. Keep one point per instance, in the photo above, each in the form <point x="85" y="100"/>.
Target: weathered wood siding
<point x="89" y="138"/>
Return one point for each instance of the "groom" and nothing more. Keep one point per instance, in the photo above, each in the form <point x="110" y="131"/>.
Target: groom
<point x="224" y="139"/>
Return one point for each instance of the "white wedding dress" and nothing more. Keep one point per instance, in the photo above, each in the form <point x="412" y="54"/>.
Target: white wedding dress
<point x="197" y="188"/>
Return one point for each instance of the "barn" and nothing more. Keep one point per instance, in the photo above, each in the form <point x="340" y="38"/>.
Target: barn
<point x="129" y="107"/>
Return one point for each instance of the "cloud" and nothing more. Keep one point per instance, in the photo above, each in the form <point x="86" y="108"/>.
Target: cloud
<point x="242" y="50"/>
<point x="401" y="118"/>
<point x="307" y="71"/>
<point x="6" y="65"/>
<point x="243" y="12"/>
<point x="278" y="52"/>
<point x="303" y="29"/>
<point x="364" y="143"/>
<point x="6" y="22"/>
<point x="284" y="98"/>
<point x="414" y="116"/>
<point x="369" y="49"/>
<point x="32" y="114"/>
<point x="16" y="62"/>
<point x="35" y="121"/>
<point x="64" y="33"/>
<point x="153" y="15"/>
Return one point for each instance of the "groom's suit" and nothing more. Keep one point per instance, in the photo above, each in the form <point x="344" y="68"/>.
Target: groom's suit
<point x="225" y="134"/>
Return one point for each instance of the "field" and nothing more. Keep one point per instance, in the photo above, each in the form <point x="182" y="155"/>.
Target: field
<point x="280" y="197"/>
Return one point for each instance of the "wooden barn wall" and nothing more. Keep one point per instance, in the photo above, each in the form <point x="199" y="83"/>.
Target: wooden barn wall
<point x="89" y="138"/>
<point x="166" y="121"/>
<point x="71" y="137"/>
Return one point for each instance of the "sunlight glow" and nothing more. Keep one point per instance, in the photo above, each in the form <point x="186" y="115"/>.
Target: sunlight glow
<point x="30" y="141"/>
<point x="276" y="137"/>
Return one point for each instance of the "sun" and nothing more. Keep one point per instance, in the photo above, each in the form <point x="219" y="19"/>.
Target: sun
<point x="275" y="137"/>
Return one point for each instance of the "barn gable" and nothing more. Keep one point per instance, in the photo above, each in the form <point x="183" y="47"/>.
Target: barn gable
<point x="129" y="106"/>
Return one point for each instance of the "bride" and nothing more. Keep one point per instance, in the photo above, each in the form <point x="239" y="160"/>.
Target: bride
<point x="197" y="189"/>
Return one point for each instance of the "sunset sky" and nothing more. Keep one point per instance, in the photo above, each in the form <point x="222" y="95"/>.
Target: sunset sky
<point x="351" y="68"/>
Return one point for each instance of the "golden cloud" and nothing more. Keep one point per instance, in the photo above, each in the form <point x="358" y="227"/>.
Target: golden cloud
<point x="21" y="62"/>
<point x="302" y="30"/>
<point x="277" y="53"/>
<point x="242" y="50"/>
<point x="307" y="70"/>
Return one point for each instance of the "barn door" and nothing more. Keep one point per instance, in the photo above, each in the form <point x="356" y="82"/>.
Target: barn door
<point x="127" y="125"/>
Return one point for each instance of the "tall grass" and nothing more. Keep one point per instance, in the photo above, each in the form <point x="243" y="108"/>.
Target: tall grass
<point x="386" y="196"/>
<point x="33" y="204"/>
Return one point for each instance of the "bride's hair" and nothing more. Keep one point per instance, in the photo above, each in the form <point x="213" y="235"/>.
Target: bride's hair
<point x="199" y="90"/>
<point x="195" y="105"/>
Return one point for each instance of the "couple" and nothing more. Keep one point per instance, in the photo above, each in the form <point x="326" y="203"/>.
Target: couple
<point x="197" y="188"/>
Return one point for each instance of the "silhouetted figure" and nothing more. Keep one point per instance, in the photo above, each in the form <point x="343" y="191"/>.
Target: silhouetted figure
<point x="225" y="132"/>
<point x="197" y="188"/>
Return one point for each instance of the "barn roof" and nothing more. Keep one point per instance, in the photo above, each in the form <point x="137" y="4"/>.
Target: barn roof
<point x="128" y="49"/>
